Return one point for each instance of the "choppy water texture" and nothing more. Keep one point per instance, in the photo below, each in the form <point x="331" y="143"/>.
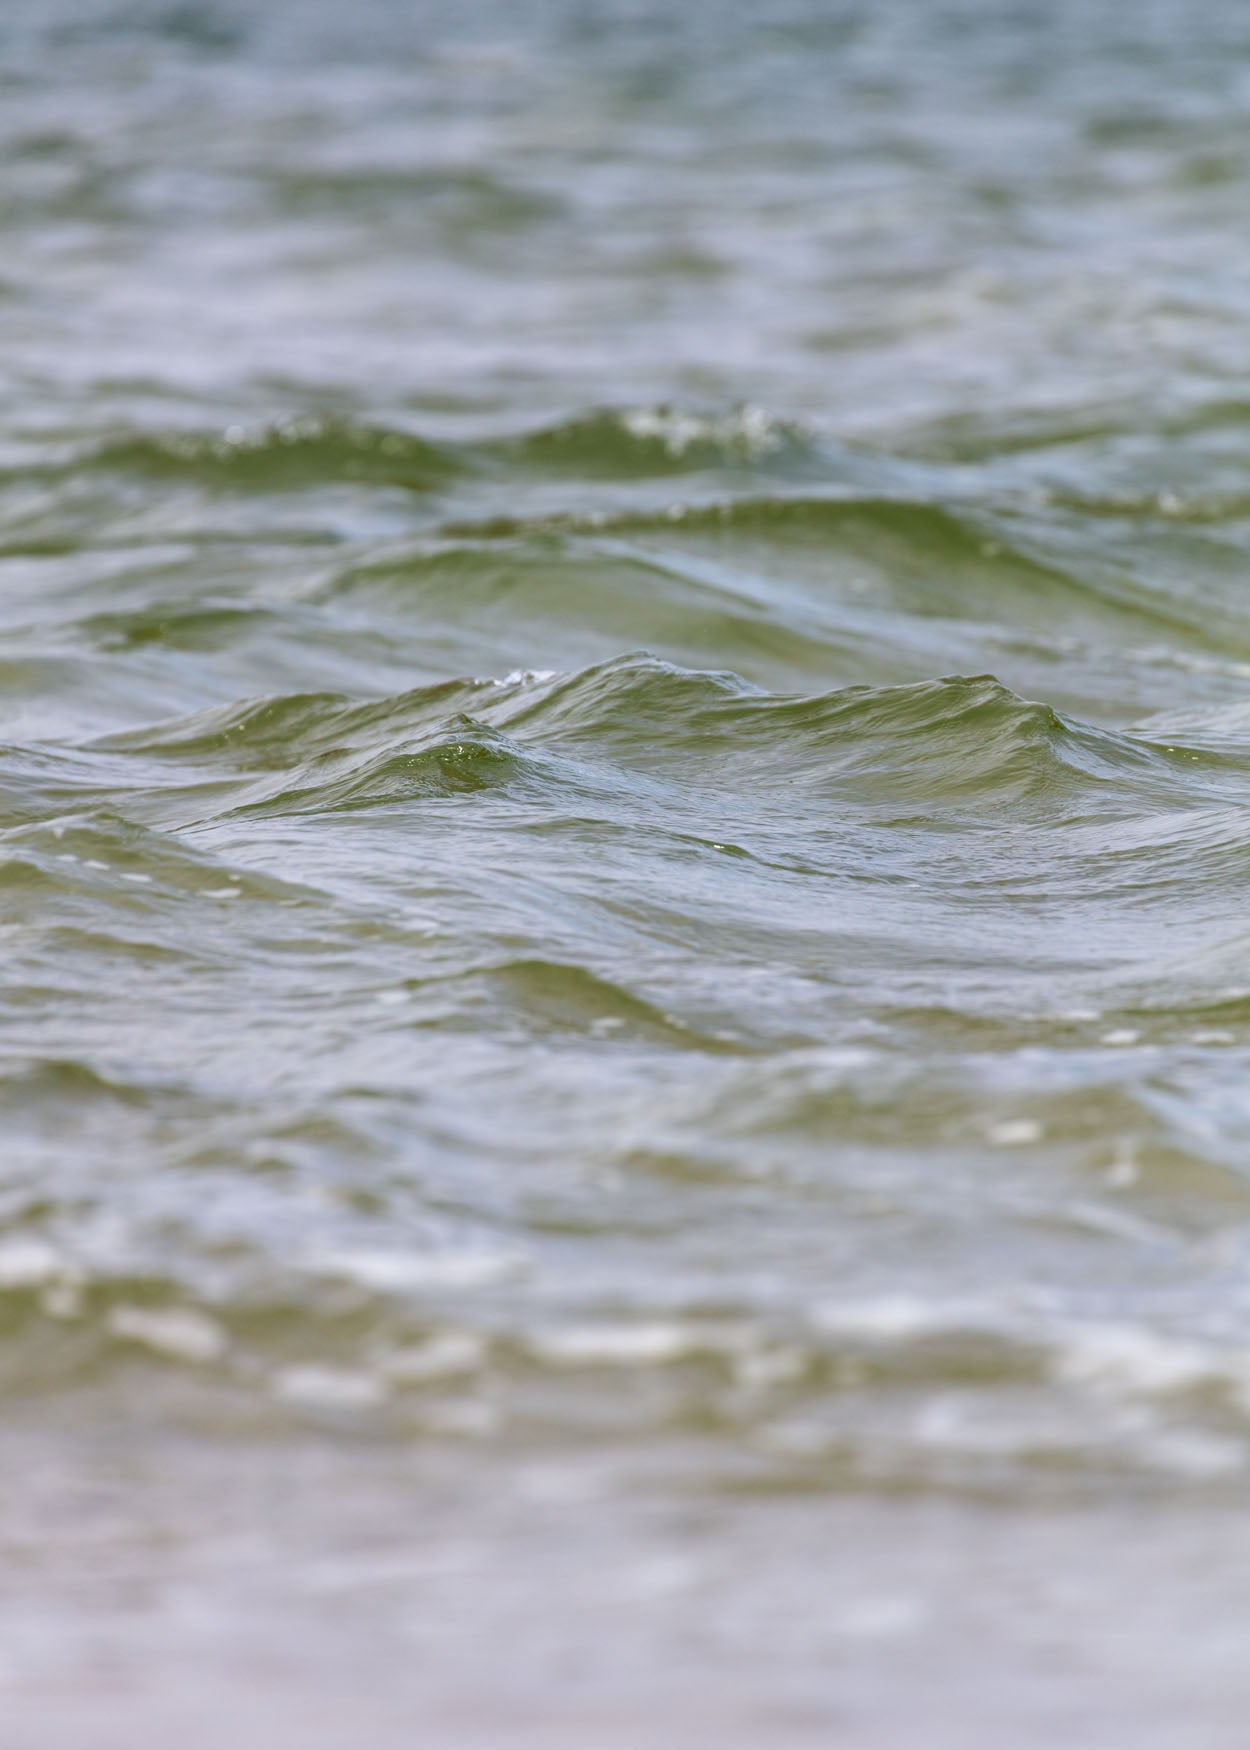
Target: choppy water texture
<point x="624" y="874"/>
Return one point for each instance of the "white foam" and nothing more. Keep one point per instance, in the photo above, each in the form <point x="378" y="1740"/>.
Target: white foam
<point x="28" y="1263"/>
<point x="1126" y="1359"/>
<point x="1015" y="1132"/>
<point x="329" y="1388"/>
<point x="395" y="1272"/>
<point x="899" y="1317"/>
<point x="615" y="1345"/>
<point x="180" y="1332"/>
<point x="751" y="430"/>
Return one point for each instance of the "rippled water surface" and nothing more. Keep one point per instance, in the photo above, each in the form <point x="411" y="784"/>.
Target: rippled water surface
<point x="624" y="873"/>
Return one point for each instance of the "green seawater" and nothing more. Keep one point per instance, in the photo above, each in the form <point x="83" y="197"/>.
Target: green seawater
<point x="624" y="875"/>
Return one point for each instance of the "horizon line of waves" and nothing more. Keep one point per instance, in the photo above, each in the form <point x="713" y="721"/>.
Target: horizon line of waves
<point x="955" y="741"/>
<point x="947" y="737"/>
<point x="942" y="553"/>
<point x="309" y="449"/>
<point x="608" y="443"/>
<point x="623" y="442"/>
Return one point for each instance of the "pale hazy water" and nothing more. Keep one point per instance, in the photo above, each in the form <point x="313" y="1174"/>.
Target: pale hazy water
<point x="624" y="874"/>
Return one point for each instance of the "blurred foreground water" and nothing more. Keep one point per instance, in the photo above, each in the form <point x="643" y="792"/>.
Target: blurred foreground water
<point x="624" y="857"/>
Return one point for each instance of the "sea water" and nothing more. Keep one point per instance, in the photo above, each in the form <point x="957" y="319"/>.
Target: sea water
<point x="624" y="874"/>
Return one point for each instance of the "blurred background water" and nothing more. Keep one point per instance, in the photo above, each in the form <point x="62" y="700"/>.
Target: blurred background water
<point x="623" y="871"/>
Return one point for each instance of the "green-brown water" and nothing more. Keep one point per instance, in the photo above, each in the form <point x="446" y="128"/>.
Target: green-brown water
<point x="624" y="875"/>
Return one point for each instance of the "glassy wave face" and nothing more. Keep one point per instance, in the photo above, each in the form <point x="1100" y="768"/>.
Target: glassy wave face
<point x="625" y="738"/>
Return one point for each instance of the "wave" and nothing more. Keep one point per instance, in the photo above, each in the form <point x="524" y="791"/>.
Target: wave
<point x="628" y="443"/>
<point x="920" y="558"/>
<point x="563" y="998"/>
<point x="956" y="739"/>
<point x="467" y="758"/>
<point x="268" y="733"/>
<point x="54" y="1084"/>
<point x="655" y="442"/>
<point x="808" y="540"/>
<point x="959" y="742"/>
<point x="290" y="454"/>
<point x="798" y="515"/>
<point x="976" y="439"/>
